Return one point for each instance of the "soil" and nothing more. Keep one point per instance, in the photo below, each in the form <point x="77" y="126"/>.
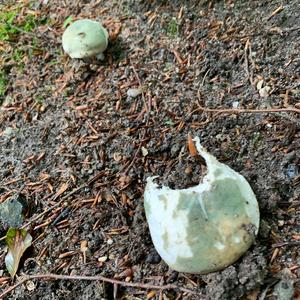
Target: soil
<point x="79" y="149"/>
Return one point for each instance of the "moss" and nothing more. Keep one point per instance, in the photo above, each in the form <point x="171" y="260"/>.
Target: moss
<point x="172" y="29"/>
<point x="16" y="19"/>
<point x="11" y="26"/>
<point x="256" y="140"/>
<point x="3" y="84"/>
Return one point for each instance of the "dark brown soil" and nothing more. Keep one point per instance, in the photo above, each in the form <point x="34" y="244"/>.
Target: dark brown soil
<point x="73" y="143"/>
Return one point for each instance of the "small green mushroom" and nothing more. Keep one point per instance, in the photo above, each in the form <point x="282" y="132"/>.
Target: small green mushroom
<point x="84" y="39"/>
<point x="207" y="227"/>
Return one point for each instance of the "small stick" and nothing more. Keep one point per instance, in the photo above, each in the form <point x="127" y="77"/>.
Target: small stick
<point x="91" y="278"/>
<point x="291" y="243"/>
<point x="237" y="110"/>
<point x="247" y="62"/>
<point x="275" y="12"/>
<point x="141" y="87"/>
<point x="136" y="154"/>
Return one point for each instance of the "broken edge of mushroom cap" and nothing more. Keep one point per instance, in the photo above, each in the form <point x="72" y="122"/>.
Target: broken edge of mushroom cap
<point x="212" y="170"/>
<point x="215" y="170"/>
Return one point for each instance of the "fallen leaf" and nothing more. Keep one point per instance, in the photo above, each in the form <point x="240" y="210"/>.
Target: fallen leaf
<point x="18" y="240"/>
<point x="62" y="189"/>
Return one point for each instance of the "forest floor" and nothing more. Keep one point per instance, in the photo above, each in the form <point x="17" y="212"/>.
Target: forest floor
<point x="78" y="149"/>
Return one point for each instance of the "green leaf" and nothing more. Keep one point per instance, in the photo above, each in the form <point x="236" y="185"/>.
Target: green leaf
<point x="18" y="240"/>
<point x="67" y="21"/>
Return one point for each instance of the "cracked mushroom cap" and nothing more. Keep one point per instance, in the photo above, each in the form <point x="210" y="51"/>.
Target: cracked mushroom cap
<point x="207" y="227"/>
<point x="85" y="38"/>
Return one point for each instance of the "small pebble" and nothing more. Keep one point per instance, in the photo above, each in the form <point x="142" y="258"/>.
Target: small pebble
<point x="188" y="170"/>
<point x="12" y="211"/>
<point x="264" y="92"/>
<point x="292" y="171"/>
<point x="30" y="285"/>
<point x="235" y="104"/>
<point x="134" y="92"/>
<point x="8" y="131"/>
<point x="259" y="84"/>
<point x="109" y="241"/>
<point x="284" y="290"/>
<point x="144" y="151"/>
<point x="102" y="258"/>
<point x="153" y="258"/>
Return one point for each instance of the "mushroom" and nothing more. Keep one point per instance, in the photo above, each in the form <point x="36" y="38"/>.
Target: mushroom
<point x="85" y="39"/>
<point x="207" y="227"/>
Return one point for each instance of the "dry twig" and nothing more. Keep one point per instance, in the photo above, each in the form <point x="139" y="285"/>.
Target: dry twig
<point x="94" y="278"/>
<point x="241" y="110"/>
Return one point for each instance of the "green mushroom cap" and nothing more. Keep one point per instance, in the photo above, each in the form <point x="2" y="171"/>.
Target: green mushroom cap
<point x="207" y="227"/>
<point x="85" y="38"/>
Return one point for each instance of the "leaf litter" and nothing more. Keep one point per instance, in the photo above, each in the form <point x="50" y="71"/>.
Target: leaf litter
<point x="77" y="139"/>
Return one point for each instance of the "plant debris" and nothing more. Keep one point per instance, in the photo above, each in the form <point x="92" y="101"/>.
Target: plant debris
<point x="18" y="240"/>
<point x="80" y="148"/>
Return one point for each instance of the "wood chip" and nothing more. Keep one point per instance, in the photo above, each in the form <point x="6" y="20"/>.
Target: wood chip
<point x="191" y="146"/>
